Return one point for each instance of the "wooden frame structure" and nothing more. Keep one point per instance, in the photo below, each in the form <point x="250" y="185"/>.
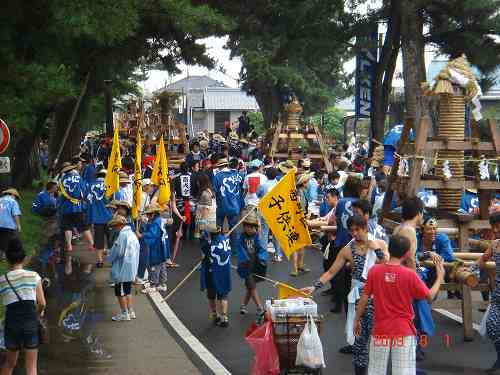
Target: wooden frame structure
<point x="459" y="224"/>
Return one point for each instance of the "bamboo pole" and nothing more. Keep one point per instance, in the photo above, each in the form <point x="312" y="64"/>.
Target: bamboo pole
<point x="72" y="119"/>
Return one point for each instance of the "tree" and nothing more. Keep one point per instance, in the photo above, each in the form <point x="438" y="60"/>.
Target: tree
<point x="289" y="46"/>
<point x="333" y="122"/>
<point x="50" y="46"/>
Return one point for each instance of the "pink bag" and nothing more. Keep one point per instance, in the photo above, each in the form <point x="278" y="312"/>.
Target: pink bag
<point x="261" y="339"/>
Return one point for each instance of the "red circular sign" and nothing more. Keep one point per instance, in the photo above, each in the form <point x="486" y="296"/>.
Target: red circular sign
<point x="4" y="136"/>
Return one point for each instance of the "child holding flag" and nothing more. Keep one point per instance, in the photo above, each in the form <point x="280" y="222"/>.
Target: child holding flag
<point x="216" y="273"/>
<point x="156" y="239"/>
<point x="252" y="262"/>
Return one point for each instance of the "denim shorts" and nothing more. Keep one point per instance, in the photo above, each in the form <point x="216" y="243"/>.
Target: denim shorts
<point x="21" y="326"/>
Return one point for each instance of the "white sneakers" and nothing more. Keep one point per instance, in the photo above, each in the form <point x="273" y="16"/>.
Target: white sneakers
<point x="149" y="289"/>
<point x="124" y="316"/>
<point x="121" y="317"/>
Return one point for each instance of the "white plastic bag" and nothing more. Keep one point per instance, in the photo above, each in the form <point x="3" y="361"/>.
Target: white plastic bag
<point x="309" y="347"/>
<point x="482" y="326"/>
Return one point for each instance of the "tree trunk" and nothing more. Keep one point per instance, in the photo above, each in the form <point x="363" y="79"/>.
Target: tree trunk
<point x="25" y="163"/>
<point x="61" y="119"/>
<point x="269" y="102"/>
<point x="384" y="72"/>
<point x="413" y="60"/>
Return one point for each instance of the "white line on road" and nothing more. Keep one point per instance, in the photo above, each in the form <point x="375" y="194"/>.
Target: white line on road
<point x="455" y="317"/>
<point x="196" y="346"/>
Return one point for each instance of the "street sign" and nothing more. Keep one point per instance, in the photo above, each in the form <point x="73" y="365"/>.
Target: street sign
<point x="4" y="165"/>
<point x="4" y="136"/>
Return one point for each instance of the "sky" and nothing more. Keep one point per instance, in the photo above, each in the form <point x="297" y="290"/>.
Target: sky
<point x="215" y="48"/>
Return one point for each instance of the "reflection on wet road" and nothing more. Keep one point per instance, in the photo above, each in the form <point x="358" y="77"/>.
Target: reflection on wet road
<point x="75" y="347"/>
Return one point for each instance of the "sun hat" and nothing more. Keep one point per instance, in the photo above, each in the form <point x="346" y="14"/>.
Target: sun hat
<point x="123" y="177"/>
<point x="122" y="204"/>
<point x="117" y="220"/>
<point x="286" y="166"/>
<point x="152" y="208"/>
<point x="303" y="178"/>
<point x="12" y="191"/>
<point x="221" y="163"/>
<point x="67" y="168"/>
<point x="251" y="219"/>
<point x="102" y="172"/>
<point x="255" y="163"/>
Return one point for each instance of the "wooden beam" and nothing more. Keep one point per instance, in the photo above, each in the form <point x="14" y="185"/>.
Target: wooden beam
<point x="274" y="143"/>
<point x="386" y="205"/>
<point x="467" y="313"/>
<point x="416" y="170"/>
<point x="323" y="149"/>
<point x="433" y="145"/>
<point x="460" y="184"/>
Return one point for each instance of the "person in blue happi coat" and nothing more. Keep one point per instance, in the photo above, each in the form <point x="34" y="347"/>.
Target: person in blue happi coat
<point x="215" y="273"/>
<point x="469" y="203"/>
<point x="89" y="171"/>
<point x="155" y="237"/>
<point x="45" y="203"/>
<point x="391" y="142"/>
<point x="252" y="262"/>
<point x="228" y="187"/>
<point x="71" y="206"/>
<point x="98" y="214"/>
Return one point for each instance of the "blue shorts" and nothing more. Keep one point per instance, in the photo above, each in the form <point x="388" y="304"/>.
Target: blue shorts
<point x="389" y="155"/>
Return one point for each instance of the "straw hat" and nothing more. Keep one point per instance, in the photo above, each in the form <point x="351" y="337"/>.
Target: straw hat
<point x="303" y="178"/>
<point x="306" y="163"/>
<point x="12" y="191"/>
<point x="117" y="220"/>
<point x="68" y="167"/>
<point x="111" y="205"/>
<point x="146" y="182"/>
<point x="123" y="177"/>
<point x="152" y="208"/>
<point x="122" y="204"/>
<point x="286" y="166"/>
<point x="221" y="163"/>
<point x="233" y="135"/>
<point x="102" y="172"/>
<point x="251" y="219"/>
<point x="204" y="144"/>
<point x="219" y="138"/>
<point x="244" y="141"/>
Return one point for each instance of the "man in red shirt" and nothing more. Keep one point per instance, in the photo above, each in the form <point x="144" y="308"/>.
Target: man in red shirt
<point x="394" y="287"/>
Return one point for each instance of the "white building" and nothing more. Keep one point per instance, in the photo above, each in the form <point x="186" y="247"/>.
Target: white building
<point x="207" y="104"/>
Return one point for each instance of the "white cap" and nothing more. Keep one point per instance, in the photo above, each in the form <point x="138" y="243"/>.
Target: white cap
<point x="146" y="181"/>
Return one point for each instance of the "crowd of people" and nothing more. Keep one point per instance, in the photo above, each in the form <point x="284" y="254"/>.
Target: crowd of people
<point x="379" y="282"/>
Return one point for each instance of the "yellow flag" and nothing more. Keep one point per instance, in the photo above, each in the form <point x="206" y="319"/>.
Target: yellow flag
<point x="112" y="180"/>
<point x="282" y="211"/>
<point x="286" y="291"/>
<point x="159" y="176"/>
<point x="136" y="204"/>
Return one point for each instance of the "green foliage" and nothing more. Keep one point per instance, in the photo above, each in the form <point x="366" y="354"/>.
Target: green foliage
<point x="333" y="125"/>
<point x="257" y="120"/>
<point x="289" y="46"/>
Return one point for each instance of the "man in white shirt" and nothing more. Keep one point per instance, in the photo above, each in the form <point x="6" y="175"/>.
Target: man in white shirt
<point x="253" y="181"/>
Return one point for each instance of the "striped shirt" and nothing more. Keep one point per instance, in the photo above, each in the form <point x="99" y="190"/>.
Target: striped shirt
<point x="23" y="281"/>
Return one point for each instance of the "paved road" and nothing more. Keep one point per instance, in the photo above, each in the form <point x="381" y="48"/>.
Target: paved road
<point x="447" y="354"/>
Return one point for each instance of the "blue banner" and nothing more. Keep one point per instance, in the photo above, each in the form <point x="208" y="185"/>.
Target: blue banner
<point x="366" y="60"/>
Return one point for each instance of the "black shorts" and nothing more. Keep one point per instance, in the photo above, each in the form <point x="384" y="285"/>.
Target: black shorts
<point x="257" y="269"/>
<point x="21" y="326"/>
<point x="123" y="289"/>
<point x="101" y="236"/>
<point x="76" y="220"/>
<point x="5" y="236"/>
